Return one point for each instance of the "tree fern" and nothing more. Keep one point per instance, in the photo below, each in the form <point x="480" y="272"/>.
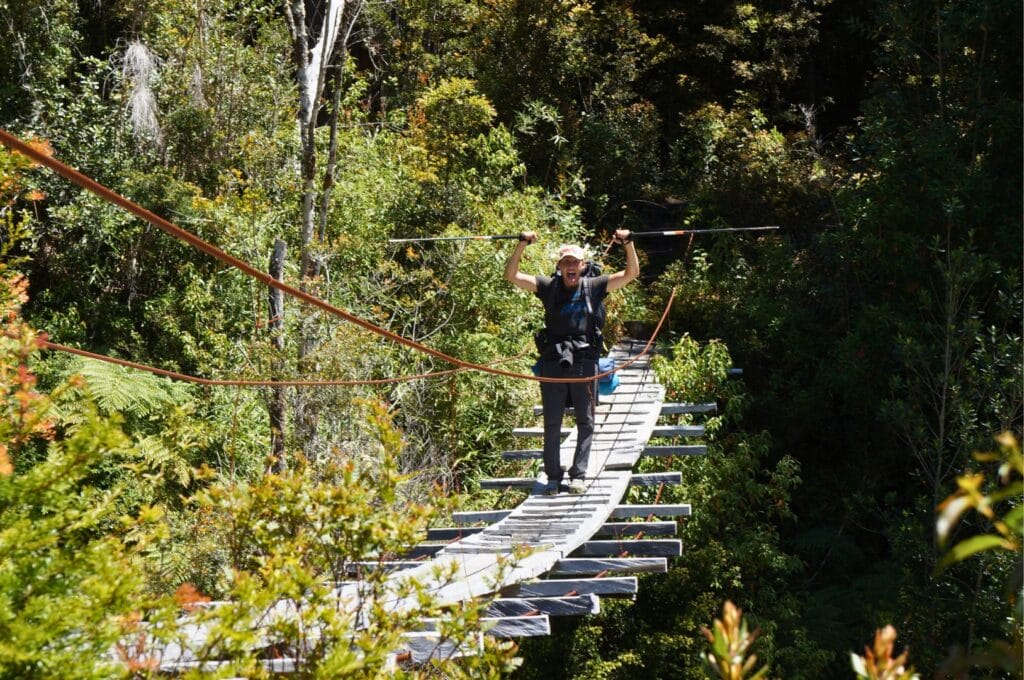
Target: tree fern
<point x="133" y="394"/>
<point x="158" y="457"/>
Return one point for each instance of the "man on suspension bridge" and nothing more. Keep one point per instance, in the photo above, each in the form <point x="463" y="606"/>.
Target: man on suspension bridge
<point x="570" y="345"/>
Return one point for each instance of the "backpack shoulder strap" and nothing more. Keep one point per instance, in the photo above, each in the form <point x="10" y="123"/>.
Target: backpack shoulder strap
<point x="585" y="282"/>
<point x="552" y="293"/>
<point x="591" y="329"/>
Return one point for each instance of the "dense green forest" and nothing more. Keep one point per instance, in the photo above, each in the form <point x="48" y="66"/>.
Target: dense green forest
<point x="879" y="329"/>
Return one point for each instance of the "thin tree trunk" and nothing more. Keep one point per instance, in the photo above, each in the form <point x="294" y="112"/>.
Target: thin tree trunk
<point x="276" y="327"/>
<point x="332" y="154"/>
<point x="312" y="47"/>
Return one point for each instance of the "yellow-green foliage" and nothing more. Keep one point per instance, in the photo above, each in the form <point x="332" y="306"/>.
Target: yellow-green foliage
<point x="84" y="592"/>
<point x="68" y="585"/>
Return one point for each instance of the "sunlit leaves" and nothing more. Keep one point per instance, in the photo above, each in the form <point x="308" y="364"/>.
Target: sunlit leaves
<point x="731" y="656"/>
<point x="880" y="662"/>
<point x="68" y="580"/>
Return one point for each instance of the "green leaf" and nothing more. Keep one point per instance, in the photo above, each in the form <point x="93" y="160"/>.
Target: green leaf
<point x="968" y="547"/>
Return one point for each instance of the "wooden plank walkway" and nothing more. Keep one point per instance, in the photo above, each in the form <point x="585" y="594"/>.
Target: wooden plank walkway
<point x="551" y="536"/>
<point x="548" y="529"/>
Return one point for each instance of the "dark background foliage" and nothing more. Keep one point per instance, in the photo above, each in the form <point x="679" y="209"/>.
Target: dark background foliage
<point x="879" y="329"/>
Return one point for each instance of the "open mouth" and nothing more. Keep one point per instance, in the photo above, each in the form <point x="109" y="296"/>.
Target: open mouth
<point x="571" y="277"/>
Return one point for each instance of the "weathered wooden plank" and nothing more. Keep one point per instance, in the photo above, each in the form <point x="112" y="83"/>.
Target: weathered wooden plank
<point x="536" y="432"/>
<point x="529" y="625"/>
<point x="628" y="393"/>
<point x="563" y="515"/>
<point x="479" y="516"/>
<point x="632" y="397"/>
<point x="680" y="510"/>
<point x="451" y="533"/>
<point x="527" y="537"/>
<point x="678" y="431"/>
<point x="622" y="529"/>
<point x="516" y="533"/>
<point x="518" y="626"/>
<point x="507" y="482"/>
<point x="618" y="408"/>
<point x="663" y="451"/>
<point x="563" y="500"/>
<point x="623" y="548"/>
<point x="419" y="647"/>
<point x="621" y="462"/>
<point x="512" y="538"/>
<point x="354" y="568"/>
<point x="552" y="506"/>
<point x="525" y="522"/>
<point x="422" y="550"/>
<point x="619" y="421"/>
<point x="574" y="605"/>
<point x="674" y="408"/>
<point x="626" y="378"/>
<point x="538" y="410"/>
<point x="655" y="478"/>
<point x="285" y="665"/>
<point x="645" y="479"/>
<point x="612" y="586"/>
<point x="523" y="454"/>
<point x="615" y="433"/>
<point x="579" y="566"/>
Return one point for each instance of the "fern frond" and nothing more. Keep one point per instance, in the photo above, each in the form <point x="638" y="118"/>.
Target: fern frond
<point x="158" y="457"/>
<point x="132" y="393"/>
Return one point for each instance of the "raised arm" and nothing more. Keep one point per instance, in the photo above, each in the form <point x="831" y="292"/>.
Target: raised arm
<point x="632" y="270"/>
<point x="512" y="273"/>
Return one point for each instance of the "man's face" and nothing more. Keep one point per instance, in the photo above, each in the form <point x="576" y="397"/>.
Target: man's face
<point x="570" y="268"/>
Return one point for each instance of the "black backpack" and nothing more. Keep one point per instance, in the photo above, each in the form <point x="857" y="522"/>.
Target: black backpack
<point x="595" y="313"/>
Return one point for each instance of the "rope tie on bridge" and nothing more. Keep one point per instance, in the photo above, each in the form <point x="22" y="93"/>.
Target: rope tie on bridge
<point x="15" y="144"/>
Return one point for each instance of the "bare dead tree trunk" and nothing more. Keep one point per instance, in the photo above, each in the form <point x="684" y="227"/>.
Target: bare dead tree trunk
<point x="276" y="327"/>
<point x="313" y="42"/>
<point x="314" y="35"/>
<point x="355" y="7"/>
<point x="318" y="28"/>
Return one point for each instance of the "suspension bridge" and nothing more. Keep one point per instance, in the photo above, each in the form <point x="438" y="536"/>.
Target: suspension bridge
<point x="549" y="556"/>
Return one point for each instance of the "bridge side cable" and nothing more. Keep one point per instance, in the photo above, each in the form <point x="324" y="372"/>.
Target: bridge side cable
<point x="15" y="144"/>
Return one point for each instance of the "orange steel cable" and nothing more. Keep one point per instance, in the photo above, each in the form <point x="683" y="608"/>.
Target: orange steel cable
<point x="69" y="173"/>
<point x="57" y="347"/>
<point x="247" y="383"/>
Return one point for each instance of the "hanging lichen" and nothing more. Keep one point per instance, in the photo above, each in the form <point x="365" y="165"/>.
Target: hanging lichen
<point x="139" y="68"/>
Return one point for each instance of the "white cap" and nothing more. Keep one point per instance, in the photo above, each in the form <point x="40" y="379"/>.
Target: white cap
<point x="568" y="250"/>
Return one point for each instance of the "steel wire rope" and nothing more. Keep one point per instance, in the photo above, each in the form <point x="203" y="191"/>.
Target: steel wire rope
<point x="211" y="382"/>
<point x="107" y="194"/>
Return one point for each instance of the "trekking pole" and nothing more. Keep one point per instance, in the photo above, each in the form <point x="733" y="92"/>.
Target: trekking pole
<point x="496" y="237"/>
<point x="688" y="232"/>
<point x="685" y="232"/>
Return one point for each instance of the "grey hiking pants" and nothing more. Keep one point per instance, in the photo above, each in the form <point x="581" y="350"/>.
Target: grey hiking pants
<point x="553" y="399"/>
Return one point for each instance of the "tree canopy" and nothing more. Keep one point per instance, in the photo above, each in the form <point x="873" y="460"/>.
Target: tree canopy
<point x="879" y="330"/>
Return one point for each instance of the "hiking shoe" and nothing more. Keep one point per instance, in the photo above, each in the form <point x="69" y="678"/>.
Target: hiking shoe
<point x="577" y="486"/>
<point x="551" y="489"/>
